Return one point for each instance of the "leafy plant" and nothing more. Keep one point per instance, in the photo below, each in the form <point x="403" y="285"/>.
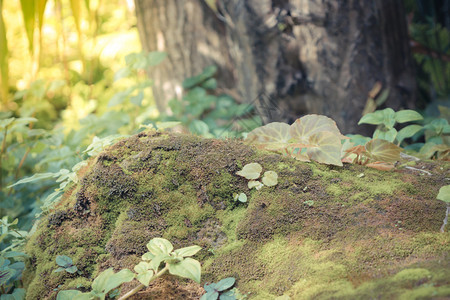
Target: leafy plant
<point x="177" y="262"/>
<point x="386" y="120"/>
<point x="105" y="282"/>
<point x="316" y="137"/>
<point x="65" y="263"/>
<point x="312" y="137"/>
<point x="11" y="259"/>
<point x="252" y="172"/>
<point x="204" y="113"/>
<point x="377" y="153"/>
<point x="220" y="290"/>
<point x="444" y="195"/>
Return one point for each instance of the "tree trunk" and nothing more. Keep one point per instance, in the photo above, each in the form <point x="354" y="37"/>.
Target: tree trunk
<point x="304" y="56"/>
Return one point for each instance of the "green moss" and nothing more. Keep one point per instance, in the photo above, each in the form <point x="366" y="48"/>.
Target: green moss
<point x="409" y="278"/>
<point x="374" y="236"/>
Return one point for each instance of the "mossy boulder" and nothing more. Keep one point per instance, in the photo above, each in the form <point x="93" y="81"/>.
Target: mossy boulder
<point x="322" y="232"/>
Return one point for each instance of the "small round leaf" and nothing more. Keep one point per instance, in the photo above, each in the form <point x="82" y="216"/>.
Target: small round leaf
<point x="250" y="171"/>
<point x="270" y="178"/>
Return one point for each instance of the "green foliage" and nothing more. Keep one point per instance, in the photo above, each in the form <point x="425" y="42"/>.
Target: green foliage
<point x="11" y="260"/>
<point x="220" y="290"/>
<point x="65" y="263"/>
<point x="250" y="171"/>
<point x="204" y="113"/>
<point x="444" y="194"/>
<point x="105" y="282"/>
<point x="435" y="131"/>
<point x="377" y="153"/>
<point x="177" y="262"/>
<point x="386" y="120"/>
<point x="241" y="197"/>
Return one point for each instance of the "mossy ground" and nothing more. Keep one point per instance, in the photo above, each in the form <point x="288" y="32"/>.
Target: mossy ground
<point x="322" y="232"/>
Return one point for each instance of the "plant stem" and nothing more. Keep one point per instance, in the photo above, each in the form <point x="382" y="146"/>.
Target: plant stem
<point x="141" y="286"/>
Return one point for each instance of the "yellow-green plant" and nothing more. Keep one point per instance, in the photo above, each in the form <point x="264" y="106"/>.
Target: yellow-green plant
<point x="316" y="137"/>
<point x="176" y="262"/>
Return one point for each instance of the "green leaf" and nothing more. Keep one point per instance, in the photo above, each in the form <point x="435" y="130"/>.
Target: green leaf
<point x="29" y="18"/>
<point x="326" y="148"/>
<point x="407" y="132"/>
<point x="145" y="277"/>
<point x="210" y="84"/>
<point x="250" y="171"/>
<point x="225" y="284"/>
<point x="6" y="122"/>
<point x="76" y="11"/>
<point x="4" y="67"/>
<point x="195" y="80"/>
<point x="213" y="295"/>
<point x="444" y="193"/>
<point x="270" y="178"/>
<point x="255" y="184"/>
<point x="60" y="269"/>
<point x="384" y="151"/>
<point x="137" y="100"/>
<point x="198" y="127"/>
<point x="188" y="268"/>
<point x="17" y="294"/>
<point x="100" y="282"/>
<point x="67" y="295"/>
<point x="437" y="126"/>
<point x="64" y="261"/>
<point x="156" y="261"/>
<point x="72" y="269"/>
<point x="117" y="279"/>
<point x="388" y="135"/>
<point x="407" y="115"/>
<point x="155" y="58"/>
<point x="158" y="246"/>
<point x="122" y="73"/>
<point x="6" y="274"/>
<point x="187" y="251"/>
<point x="90" y="296"/>
<point x="242" y="197"/>
<point x="35" y="177"/>
<point x="385" y="117"/>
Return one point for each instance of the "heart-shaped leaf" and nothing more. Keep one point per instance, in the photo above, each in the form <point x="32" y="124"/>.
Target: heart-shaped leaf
<point x="250" y="171"/>
<point x="384" y="151"/>
<point x="407" y="132"/>
<point x="255" y="184"/>
<point x="385" y="117"/>
<point x="444" y="193"/>
<point x="309" y="125"/>
<point x="188" y="251"/>
<point x="188" y="268"/>
<point x="327" y="148"/>
<point x="407" y="115"/>
<point x="64" y="261"/>
<point x="225" y="284"/>
<point x="273" y="136"/>
<point x="159" y="246"/>
<point x="270" y="178"/>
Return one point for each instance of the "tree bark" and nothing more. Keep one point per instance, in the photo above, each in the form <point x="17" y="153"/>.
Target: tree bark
<point x="304" y="56"/>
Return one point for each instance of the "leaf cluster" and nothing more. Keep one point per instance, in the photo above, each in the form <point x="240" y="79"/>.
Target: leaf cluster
<point x="252" y="172"/>
<point x="220" y="290"/>
<point x="176" y="262"/>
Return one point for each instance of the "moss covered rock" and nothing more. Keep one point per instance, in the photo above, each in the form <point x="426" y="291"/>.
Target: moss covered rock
<point x="322" y="232"/>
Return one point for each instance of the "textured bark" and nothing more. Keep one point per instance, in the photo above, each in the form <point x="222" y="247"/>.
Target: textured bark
<point x="309" y="56"/>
